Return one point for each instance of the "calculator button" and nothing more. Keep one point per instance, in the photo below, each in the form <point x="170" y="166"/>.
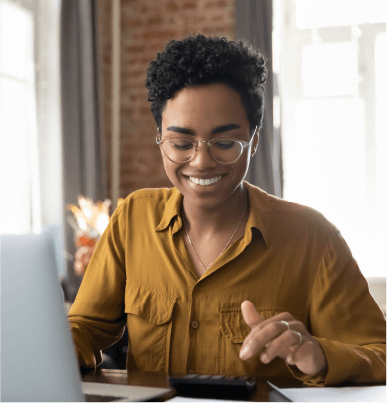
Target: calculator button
<point x="216" y="377"/>
<point x="195" y="324"/>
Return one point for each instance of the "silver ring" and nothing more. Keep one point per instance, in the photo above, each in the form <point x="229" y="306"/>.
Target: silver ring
<point x="300" y="342"/>
<point x="286" y="323"/>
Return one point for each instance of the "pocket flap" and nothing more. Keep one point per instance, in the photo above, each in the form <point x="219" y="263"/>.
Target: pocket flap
<point x="151" y="304"/>
<point x="234" y="326"/>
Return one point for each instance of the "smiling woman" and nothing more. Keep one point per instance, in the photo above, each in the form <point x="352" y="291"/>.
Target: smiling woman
<point x="216" y="276"/>
<point x="211" y="179"/>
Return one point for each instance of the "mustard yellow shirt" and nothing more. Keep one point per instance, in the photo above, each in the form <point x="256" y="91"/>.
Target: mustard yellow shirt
<point x="290" y="259"/>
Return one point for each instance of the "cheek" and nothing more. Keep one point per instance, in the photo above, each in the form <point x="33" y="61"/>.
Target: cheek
<point x="170" y="168"/>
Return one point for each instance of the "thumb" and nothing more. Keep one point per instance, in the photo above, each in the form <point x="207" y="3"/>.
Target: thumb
<point x="250" y="314"/>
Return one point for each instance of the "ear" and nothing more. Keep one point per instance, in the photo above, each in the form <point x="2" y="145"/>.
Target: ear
<point x="255" y="143"/>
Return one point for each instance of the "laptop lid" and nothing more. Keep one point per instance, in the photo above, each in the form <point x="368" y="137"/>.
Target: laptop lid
<point x="38" y="360"/>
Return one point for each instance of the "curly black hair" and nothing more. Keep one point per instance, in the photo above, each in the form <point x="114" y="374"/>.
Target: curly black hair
<point x="198" y="60"/>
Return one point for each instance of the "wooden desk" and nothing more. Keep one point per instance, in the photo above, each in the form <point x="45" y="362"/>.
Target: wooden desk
<point x="263" y="393"/>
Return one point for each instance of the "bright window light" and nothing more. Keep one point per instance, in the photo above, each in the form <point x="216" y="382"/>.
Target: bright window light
<point x="15" y="193"/>
<point x="325" y="169"/>
<point x="333" y="123"/>
<point x="380" y="66"/>
<point x="17" y="124"/>
<point x="381" y="140"/>
<point x="330" y="13"/>
<point x="16" y="40"/>
<point x="330" y="69"/>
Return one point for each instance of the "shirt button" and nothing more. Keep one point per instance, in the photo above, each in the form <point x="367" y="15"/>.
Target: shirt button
<point x="191" y="371"/>
<point x="195" y="324"/>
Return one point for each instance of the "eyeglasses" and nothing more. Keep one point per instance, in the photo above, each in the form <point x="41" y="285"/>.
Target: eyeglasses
<point x="224" y="150"/>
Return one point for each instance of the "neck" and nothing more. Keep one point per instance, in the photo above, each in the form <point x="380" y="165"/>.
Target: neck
<point x="208" y="220"/>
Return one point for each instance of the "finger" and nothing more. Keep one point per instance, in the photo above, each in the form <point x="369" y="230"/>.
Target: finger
<point x="283" y="316"/>
<point x="283" y="346"/>
<point x="258" y="338"/>
<point x="269" y="322"/>
<point x="303" y="357"/>
<point x="250" y="314"/>
<point x="301" y="353"/>
<point x="309" y="358"/>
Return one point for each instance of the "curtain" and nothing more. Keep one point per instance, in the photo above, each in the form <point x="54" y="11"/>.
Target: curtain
<point x="254" y="23"/>
<point x="84" y="163"/>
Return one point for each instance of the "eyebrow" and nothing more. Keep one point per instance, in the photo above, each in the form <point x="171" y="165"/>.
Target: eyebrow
<point x="219" y="129"/>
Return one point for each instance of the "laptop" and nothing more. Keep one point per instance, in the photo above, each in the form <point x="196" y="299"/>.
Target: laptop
<point x="38" y="359"/>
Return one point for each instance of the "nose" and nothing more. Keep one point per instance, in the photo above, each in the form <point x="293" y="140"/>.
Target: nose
<point x="203" y="158"/>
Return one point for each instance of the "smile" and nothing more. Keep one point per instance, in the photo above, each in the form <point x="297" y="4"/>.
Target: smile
<point x="205" y="182"/>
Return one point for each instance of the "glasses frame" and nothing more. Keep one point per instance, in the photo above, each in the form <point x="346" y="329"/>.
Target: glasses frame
<point x="244" y="144"/>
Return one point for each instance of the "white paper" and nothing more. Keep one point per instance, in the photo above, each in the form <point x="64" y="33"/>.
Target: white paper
<point x="336" y="394"/>
<point x="193" y="399"/>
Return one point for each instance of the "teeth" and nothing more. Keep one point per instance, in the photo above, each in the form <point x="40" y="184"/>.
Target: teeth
<point x="204" y="182"/>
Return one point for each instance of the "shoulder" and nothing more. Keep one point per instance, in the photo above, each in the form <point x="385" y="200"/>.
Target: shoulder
<point x="155" y="194"/>
<point x="308" y="231"/>
<point x="143" y="201"/>
<point x="300" y="216"/>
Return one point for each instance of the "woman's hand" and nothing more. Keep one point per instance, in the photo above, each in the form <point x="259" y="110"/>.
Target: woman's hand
<point x="281" y="336"/>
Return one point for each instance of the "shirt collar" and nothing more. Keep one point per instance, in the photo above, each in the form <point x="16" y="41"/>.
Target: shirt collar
<point x="172" y="209"/>
<point x="260" y="211"/>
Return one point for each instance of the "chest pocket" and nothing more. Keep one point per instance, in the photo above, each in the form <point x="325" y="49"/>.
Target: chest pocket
<point x="149" y="314"/>
<point x="233" y="331"/>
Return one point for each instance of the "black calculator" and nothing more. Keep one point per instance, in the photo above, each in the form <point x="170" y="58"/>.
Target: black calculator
<point x="213" y="386"/>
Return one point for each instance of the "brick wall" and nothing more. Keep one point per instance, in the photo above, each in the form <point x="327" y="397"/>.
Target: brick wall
<point x="146" y="27"/>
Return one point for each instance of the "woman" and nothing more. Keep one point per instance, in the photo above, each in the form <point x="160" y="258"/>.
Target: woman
<point x="215" y="276"/>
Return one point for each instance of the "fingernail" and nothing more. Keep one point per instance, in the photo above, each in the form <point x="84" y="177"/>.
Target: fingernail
<point x="264" y="357"/>
<point x="245" y="353"/>
<point x="289" y="360"/>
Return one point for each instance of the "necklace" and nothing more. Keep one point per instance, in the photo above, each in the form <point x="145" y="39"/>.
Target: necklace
<point x="228" y="243"/>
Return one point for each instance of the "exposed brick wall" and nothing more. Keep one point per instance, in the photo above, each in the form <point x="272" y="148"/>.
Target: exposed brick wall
<point x="104" y="13"/>
<point x="146" y="27"/>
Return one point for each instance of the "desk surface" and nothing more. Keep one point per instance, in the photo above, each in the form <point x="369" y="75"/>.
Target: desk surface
<point x="263" y="393"/>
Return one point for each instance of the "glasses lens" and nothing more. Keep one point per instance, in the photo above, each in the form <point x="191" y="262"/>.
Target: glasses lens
<point x="226" y="151"/>
<point x="223" y="150"/>
<point x="179" y="150"/>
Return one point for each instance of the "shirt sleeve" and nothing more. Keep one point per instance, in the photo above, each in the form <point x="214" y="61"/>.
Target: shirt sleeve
<point x="97" y="317"/>
<point x="346" y="321"/>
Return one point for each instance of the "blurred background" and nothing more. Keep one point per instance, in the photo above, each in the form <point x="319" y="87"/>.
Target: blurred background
<point x="75" y="119"/>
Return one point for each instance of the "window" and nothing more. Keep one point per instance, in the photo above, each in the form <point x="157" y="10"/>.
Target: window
<point x="31" y="197"/>
<point x="331" y="66"/>
<point x="19" y="176"/>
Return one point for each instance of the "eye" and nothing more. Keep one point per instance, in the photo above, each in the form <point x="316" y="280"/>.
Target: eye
<point x="181" y="144"/>
<point x="224" y="144"/>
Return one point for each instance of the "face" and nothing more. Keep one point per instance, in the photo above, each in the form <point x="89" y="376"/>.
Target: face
<point x="203" y="113"/>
